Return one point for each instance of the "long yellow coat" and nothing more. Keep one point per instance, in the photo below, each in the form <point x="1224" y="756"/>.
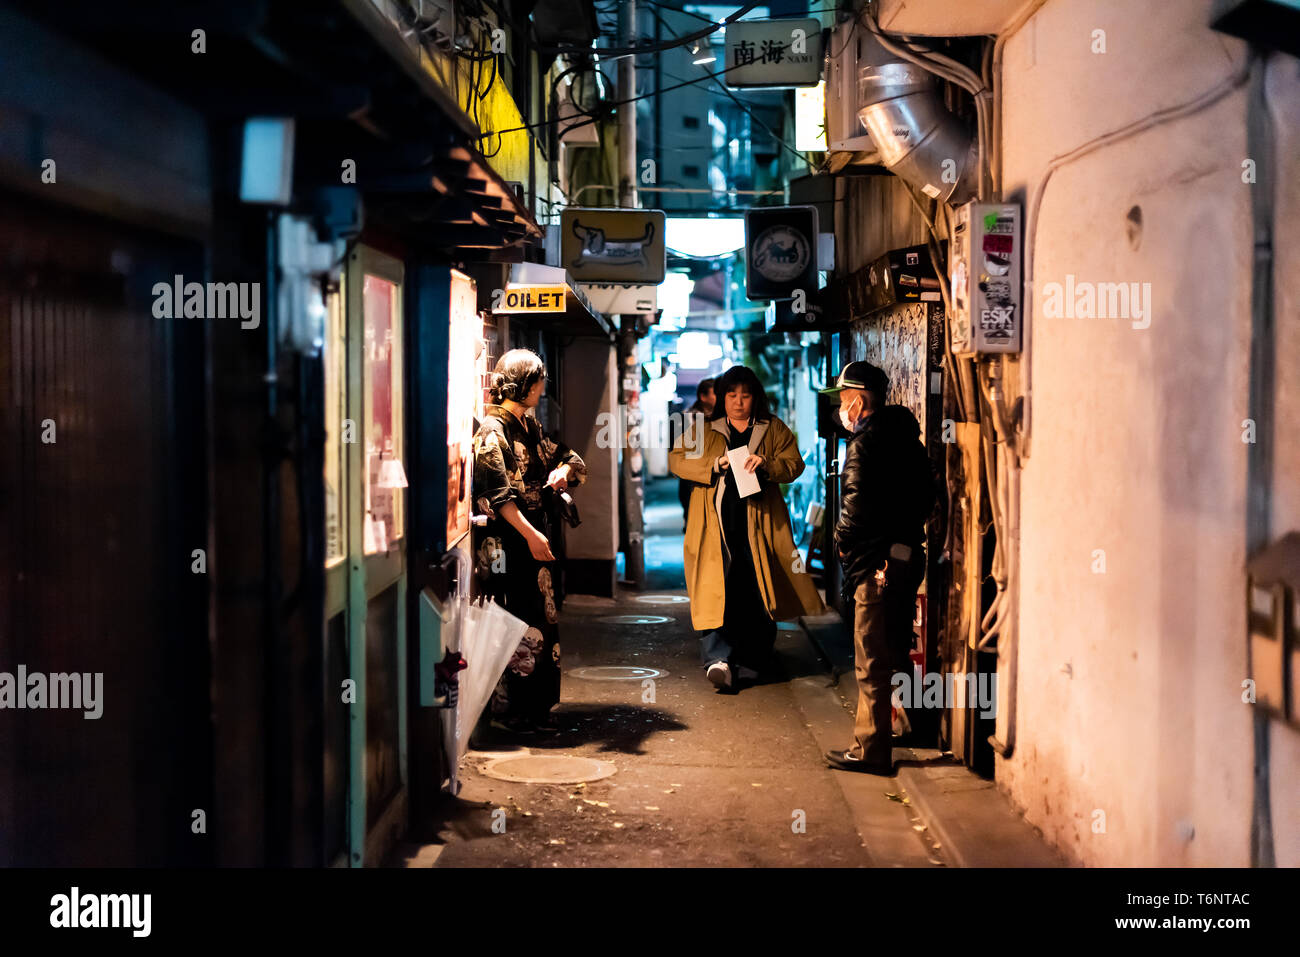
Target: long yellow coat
<point x="787" y="590"/>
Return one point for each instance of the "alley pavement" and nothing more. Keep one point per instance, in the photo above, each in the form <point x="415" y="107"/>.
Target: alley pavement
<point x="700" y="778"/>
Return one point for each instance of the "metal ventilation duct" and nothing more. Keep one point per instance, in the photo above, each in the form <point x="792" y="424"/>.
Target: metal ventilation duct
<point x="918" y="139"/>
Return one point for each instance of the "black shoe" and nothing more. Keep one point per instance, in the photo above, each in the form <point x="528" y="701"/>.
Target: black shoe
<point x="847" y="761"/>
<point x="548" y="724"/>
<point x="513" y="725"/>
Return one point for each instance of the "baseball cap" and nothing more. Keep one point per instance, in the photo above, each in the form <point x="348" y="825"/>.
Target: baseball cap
<point x="859" y="375"/>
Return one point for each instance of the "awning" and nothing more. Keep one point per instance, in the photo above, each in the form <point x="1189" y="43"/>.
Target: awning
<point x="472" y="206"/>
<point x="358" y="87"/>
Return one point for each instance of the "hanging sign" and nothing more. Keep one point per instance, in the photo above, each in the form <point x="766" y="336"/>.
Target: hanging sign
<point x="774" y="53"/>
<point x="614" y="245"/>
<point x="781" y="252"/>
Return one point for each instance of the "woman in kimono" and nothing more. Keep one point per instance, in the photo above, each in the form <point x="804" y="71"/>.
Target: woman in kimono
<point x="743" y="572"/>
<point x="514" y="463"/>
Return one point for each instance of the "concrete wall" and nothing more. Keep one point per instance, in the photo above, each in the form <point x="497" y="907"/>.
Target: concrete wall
<point x="1130" y="678"/>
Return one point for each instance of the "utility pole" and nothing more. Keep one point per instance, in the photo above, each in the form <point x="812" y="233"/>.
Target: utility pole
<point x="627" y="111"/>
<point x="629" y="369"/>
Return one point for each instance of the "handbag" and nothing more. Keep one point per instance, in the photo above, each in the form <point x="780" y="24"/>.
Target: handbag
<point x="562" y="504"/>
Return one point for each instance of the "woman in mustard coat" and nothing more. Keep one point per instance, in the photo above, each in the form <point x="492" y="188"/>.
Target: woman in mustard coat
<point x="743" y="572"/>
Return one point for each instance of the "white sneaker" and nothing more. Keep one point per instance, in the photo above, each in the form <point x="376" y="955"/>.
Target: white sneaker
<point x="720" y="674"/>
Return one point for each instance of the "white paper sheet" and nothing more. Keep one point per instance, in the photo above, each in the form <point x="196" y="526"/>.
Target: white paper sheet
<point x="746" y="482"/>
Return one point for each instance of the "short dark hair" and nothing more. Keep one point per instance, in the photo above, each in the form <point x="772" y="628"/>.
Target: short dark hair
<point x="738" y="377"/>
<point x="706" y="385"/>
<point x="516" y="373"/>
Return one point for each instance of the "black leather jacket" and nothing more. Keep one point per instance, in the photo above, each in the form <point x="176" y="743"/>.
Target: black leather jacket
<point x="887" y="492"/>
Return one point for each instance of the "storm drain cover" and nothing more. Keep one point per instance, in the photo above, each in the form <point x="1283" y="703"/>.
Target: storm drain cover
<point x="548" y="769"/>
<point x="634" y="620"/>
<point x="617" y="673"/>
<point x="662" y="599"/>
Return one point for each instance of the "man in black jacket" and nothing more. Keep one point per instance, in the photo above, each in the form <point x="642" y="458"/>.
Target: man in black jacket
<point x="886" y="494"/>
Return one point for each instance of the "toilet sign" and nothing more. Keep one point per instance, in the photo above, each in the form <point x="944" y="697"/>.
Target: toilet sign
<point x="548" y="298"/>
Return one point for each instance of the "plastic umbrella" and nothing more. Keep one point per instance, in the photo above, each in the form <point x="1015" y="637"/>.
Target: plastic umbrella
<point x="489" y="636"/>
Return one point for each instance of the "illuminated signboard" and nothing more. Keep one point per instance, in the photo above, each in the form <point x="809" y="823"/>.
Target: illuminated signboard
<point x="548" y="298"/>
<point x="614" y="245"/>
<point x="810" y="119"/>
<point x="466" y="366"/>
<point x="773" y="53"/>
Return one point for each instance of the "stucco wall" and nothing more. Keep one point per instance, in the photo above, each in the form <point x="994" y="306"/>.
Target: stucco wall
<point x="1130" y="677"/>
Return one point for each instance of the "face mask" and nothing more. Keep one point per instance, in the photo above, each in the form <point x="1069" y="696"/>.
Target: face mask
<point x="848" y="414"/>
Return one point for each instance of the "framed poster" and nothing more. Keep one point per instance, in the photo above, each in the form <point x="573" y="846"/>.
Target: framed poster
<point x="466" y="366"/>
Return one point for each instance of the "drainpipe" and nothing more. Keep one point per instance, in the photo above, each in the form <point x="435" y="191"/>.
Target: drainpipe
<point x="1005" y="613"/>
<point x="1259" y="455"/>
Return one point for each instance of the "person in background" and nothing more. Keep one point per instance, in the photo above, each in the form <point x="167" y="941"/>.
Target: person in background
<point x="886" y="493"/>
<point x="513" y="462"/>
<point x="742" y="569"/>
<point x="703" y="406"/>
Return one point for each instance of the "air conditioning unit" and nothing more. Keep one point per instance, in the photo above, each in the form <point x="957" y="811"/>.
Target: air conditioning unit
<point x="436" y="20"/>
<point x="572" y="134"/>
<point x="844" y="132"/>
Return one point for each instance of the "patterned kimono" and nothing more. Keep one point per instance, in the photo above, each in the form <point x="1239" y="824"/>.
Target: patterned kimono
<point x="512" y="461"/>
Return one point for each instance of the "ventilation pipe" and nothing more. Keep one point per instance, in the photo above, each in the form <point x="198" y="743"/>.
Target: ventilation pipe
<point x="919" y="140"/>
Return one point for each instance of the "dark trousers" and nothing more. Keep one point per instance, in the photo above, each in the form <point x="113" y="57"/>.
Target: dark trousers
<point x="882" y="639"/>
<point x="748" y="631"/>
<point x="684" y="496"/>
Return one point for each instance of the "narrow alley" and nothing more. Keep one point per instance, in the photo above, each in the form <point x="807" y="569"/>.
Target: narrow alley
<point x="702" y="778"/>
<point x="447" y="439"/>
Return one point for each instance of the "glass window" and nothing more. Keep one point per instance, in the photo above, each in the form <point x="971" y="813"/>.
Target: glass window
<point x="335" y="359"/>
<point x="385" y="472"/>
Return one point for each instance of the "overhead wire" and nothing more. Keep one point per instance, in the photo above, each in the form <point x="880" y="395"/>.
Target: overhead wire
<point x="780" y="141"/>
<point x="609" y="105"/>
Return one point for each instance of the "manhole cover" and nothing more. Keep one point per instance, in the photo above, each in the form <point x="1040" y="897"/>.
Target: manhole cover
<point x="548" y="769"/>
<point x="617" y="673"/>
<point x="662" y="599"/>
<point x="634" y="620"/>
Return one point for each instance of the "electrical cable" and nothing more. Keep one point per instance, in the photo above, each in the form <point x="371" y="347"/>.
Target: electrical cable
<point x="651" y="47"/>
<point x="611" y="104"/>
<point x="744" y="109"/>
<point x="780" y="141"/>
